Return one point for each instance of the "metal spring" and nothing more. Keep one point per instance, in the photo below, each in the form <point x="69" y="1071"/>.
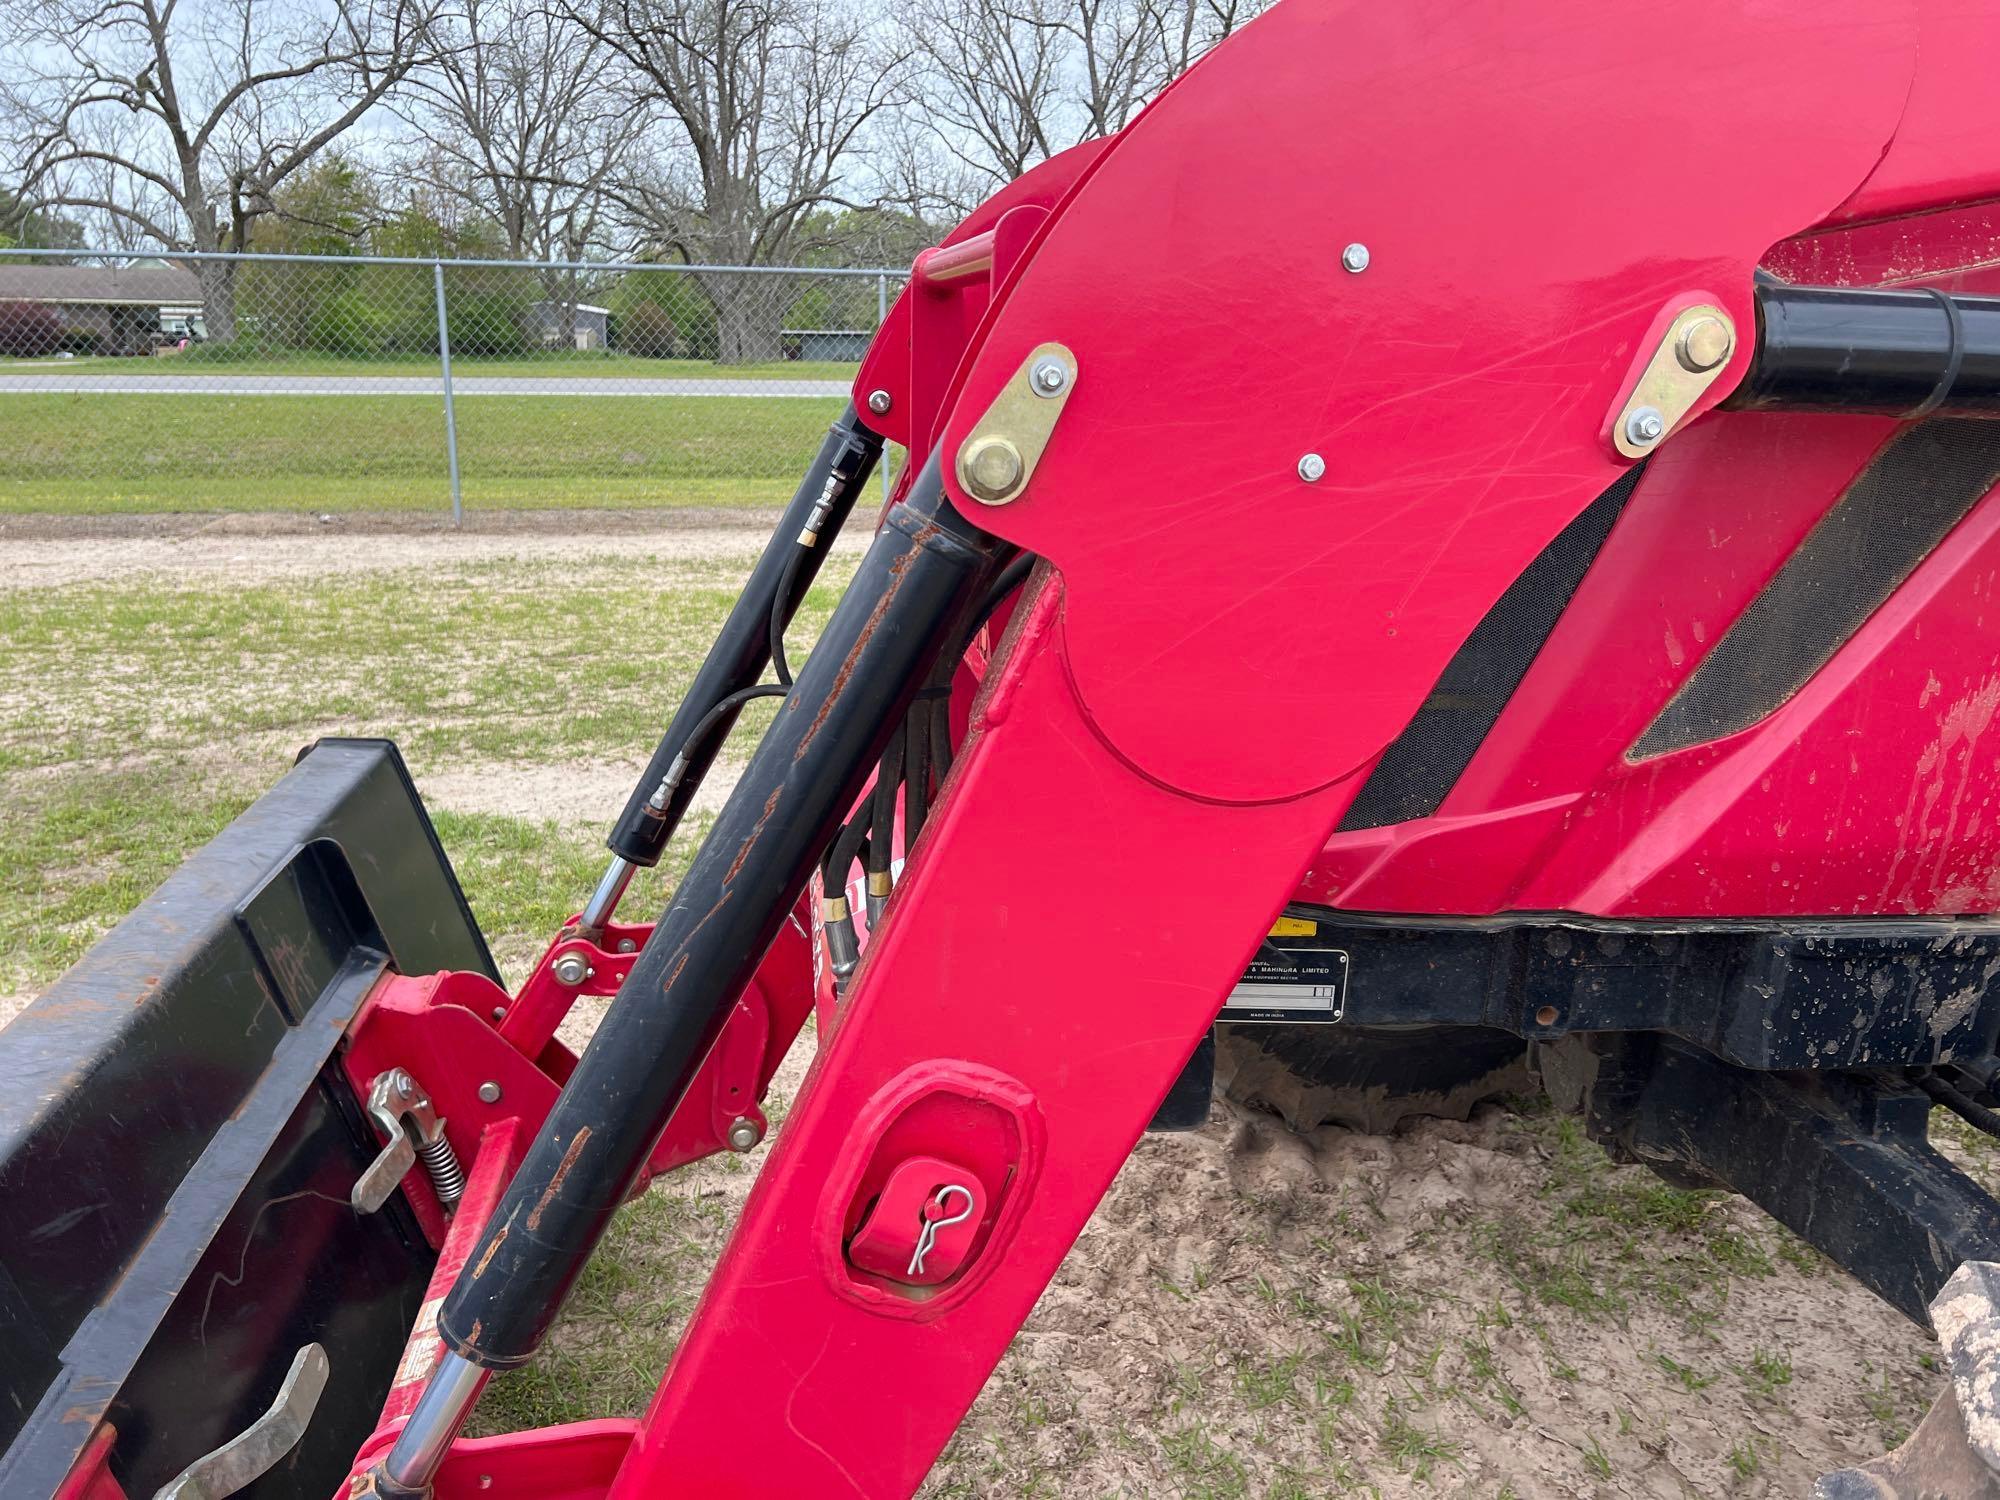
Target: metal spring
<point x="447" y="1176"/>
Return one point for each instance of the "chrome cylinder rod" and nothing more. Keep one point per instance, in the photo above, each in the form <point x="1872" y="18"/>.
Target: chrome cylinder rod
<point x="422" y="1444"/>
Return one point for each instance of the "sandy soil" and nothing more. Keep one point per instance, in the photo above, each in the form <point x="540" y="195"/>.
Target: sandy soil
<point x="48" y="551"/>
<point x="1253" y="1312"/>
<point x="1514" y="1394"/>
<point x="584" y="797"/>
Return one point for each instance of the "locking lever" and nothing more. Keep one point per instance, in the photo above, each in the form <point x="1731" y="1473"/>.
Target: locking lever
<point x="403" y="1112"/>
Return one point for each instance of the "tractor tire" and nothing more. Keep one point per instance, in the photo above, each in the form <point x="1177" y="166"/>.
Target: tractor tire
<point x="1368" y="1078"/>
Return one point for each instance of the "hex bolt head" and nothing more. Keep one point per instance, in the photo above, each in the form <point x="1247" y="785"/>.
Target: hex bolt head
<point x="992" y="467"/>
<point x="744" y="1134"/>
<point x="572" y="968"/>
<point x="1312" y="468"/>
<point x="1048" y="377"/>
<point x="1355" y="257"/>
<point x="489" y="1092"/>
<point x="879" y="402"/>
<point x="1703" y="345"/>
<point x="1645" y="427"/>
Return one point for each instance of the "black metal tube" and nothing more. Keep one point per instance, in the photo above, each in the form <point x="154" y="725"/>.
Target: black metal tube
<point x="1869" y="350"/>
<point x="838" y="474"/>
<point x="919" y="576"/>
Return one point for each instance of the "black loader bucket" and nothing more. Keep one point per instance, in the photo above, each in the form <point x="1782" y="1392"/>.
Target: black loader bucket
<point x="178" y="1143"/>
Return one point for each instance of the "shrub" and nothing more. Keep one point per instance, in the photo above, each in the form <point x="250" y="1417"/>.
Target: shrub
<point x="487" y="322"/>
<point x="348" y="325"/>
<point x="28" y="329"/>
<point x="647" y="329"/>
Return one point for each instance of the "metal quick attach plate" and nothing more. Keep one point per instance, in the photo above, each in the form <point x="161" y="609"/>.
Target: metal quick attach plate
<point x="1698" y="346"/>
<point x="998" y="457"/>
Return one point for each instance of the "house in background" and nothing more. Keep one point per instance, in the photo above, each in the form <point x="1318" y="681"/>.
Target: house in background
<point x="839" y="345"/>
<point x="561" y="325"/>
<point x="116" y="309"/>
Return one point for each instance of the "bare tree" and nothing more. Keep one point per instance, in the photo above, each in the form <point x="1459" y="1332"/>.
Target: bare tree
<point x="514" y="119"/>
<point x="514" y="123"/>
<point x="177" y="120"/>
<point x="1005" y="84"/>
<point x="759" y="107"/>
<point x="994" y="68"/>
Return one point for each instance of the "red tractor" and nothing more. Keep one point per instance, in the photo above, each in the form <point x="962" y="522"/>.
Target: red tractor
<point x="1463" y="537"/>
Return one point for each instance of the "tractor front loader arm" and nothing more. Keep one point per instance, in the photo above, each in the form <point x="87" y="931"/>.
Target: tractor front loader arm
<point x="1274" y="484"/>
<point x="1225" y="437"/>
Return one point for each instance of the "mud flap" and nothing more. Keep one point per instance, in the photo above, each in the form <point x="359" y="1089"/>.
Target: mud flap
<point x="177" y="1143"/>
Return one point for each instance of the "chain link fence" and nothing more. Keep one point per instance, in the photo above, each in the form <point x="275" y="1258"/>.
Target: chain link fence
<point x="246" y="382"/>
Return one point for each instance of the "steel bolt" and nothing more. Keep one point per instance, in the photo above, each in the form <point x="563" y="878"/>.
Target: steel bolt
<point x="1645" y="427"/>
<point x="572" y="968"/>
<point x="489" y="1092"/>
<point x="744" y="1134"/>
<point x="628" y="945"/>
<point x="1704" y="344"/>
<point x="499" y="1012"/>
<point x="879" y="402"/>
<point x="992" y="467"/>
<point x="1312" y="467"/>
<point x="1049" y="377"/>
<point x="1355" y="258"/>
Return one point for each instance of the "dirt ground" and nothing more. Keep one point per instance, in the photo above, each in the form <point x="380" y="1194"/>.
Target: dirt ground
<point x="46" y="551"/>
<point x="1253" y="1312"/>
<point x="1486" y="1308"/>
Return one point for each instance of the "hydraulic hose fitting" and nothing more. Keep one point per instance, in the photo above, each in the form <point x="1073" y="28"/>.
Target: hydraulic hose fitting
<point x="880" y="884"/>
<point x="843" y="948"/>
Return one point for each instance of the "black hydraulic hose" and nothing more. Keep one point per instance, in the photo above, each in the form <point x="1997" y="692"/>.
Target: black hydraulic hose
<point x="1004" y="583"/>
<point x="1963" y="1105"/>
<point x="941" y="740"/>
<point x="850" y="844"/>
<point x="925" y="565"/>
<point x="916" y="772"/>
<point x="882" y="805"/>
<point x="924" y="740"/>
<point x="782" y="574"/>
<point x="782" y="607"/>
<point x="727" y="709"/>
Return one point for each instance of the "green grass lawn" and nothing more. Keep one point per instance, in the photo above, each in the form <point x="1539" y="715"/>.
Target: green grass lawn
<point x="558" y="364"/>
<point x="89" y="453"/>
<point x="175" y="705"/>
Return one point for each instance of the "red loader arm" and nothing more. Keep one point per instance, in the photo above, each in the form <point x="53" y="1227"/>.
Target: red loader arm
<point x="1253" y="419"/>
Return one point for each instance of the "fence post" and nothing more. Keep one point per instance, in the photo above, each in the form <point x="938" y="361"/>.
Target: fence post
<point x="450" y="419"/>
<point x="881" y="317"/>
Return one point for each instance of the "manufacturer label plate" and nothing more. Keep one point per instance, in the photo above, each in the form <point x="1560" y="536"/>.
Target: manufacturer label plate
<point x="1290" y="981"/>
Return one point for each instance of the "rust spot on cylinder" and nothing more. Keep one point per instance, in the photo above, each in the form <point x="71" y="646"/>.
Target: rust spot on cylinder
<point x="492" y="1249"/>
<point x="770" y="806"/>
<point x="897" y="568"/>
<point x="556" y="1182"/>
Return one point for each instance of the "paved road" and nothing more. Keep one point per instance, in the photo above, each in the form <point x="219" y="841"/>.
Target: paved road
<point x="405" y="385"/>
